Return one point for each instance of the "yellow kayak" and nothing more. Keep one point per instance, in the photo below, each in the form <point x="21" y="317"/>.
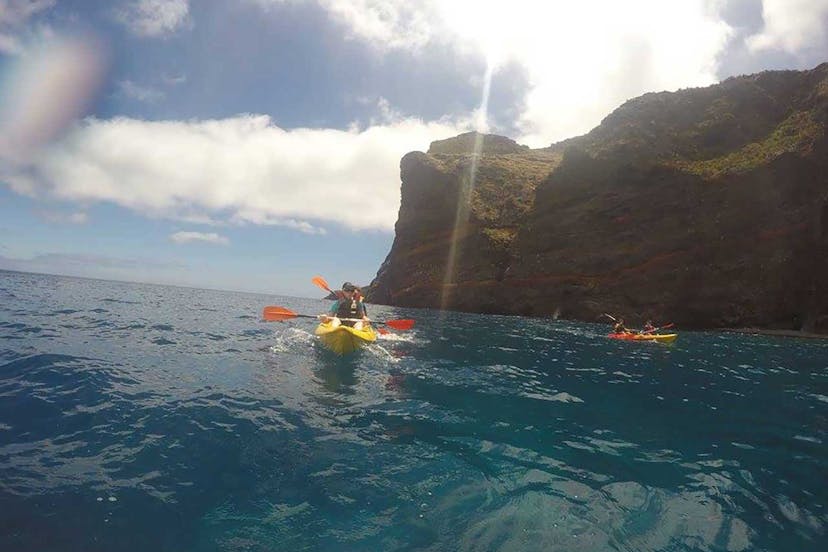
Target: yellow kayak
<point x="344" y="339"/>
<point x="660" y="338"/>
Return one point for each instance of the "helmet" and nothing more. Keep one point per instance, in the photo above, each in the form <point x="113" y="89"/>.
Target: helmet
<point x="348" y="286"/>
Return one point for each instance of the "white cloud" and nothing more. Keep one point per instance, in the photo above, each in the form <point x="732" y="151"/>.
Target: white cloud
<point x="586" y="65"/>
<point x="153" y="18"/>
<point x="141" y="93"/>
<point x="408" y="24"/>
<point x="393" y="23"/>
<point x="791" y="25"/>
<point x="242" y="170"/>
<point x="188" y="237"/>
<point x="583" y="59"/>
<point x="14" y="14"/>
<point x="8" y="44"/>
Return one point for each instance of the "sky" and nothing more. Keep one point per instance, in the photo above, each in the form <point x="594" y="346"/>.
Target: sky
<point x="252" y="144"/>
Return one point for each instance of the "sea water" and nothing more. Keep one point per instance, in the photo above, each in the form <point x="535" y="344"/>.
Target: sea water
<point x="142" y="417"/>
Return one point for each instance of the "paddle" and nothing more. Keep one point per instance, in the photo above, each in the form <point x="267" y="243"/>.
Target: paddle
<point x="613" y="319"/>
<point x="320" y="281"/>
<point x="280" y="314"/>
<point x="664" y="327"/>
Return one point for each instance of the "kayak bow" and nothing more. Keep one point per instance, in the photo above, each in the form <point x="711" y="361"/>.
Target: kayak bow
<point x="344" y="339"/>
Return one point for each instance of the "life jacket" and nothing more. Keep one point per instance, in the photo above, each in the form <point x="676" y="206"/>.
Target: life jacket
<point x="348" y="309"/>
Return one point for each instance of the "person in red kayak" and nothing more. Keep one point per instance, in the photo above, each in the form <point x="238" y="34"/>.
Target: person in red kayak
<point x="348" y="306"/>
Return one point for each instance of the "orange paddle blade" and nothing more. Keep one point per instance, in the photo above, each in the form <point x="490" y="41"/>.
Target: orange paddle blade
<point x="401" y="324"/>
<point x="320" y="281"/>
<point x="383" y="331"/>
<point x="278" y="314"/>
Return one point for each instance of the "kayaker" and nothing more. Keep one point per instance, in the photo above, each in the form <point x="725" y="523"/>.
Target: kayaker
<point x="348" y="306"/>
<point x="619" y="327"/>
<point x="648" y="327"/>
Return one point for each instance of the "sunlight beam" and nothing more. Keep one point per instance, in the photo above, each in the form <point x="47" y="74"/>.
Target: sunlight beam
<point x="467" y="185"/>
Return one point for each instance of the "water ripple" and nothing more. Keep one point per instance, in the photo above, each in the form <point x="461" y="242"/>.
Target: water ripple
<point x="130" y="420"/>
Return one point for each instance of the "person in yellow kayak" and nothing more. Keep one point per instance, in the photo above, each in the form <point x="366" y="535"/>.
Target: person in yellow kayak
<point x="348" y="306"/>
<point x="619" y="327"/>
<point x="648" y="327"/>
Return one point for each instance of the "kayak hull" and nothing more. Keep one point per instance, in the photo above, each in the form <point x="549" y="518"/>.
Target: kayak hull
<point x="658" y="338"/>
<point x="342" y="339"/>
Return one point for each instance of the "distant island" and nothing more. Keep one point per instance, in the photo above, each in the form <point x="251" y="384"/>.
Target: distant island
<point x="705" y="207"/>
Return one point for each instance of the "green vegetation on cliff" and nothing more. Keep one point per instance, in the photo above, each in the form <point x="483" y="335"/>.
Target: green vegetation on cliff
<point x="798" y="133"/>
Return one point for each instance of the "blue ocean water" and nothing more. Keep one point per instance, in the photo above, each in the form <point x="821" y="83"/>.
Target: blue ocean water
<point x="142" y="417"/>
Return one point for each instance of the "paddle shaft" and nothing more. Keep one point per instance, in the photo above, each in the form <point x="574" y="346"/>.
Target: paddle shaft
<point x="318" y="316"/>
<point x="665" y="326"/>
<point x="353" y="319"/>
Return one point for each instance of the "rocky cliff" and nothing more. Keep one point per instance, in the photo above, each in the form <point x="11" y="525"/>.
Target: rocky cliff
<point x="705" y="207"/>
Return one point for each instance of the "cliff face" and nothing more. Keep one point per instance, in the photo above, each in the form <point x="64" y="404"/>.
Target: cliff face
<point x="704" y="207"/>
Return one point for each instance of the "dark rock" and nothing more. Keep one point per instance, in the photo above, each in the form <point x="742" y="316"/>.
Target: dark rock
<point x="704" y="207"/>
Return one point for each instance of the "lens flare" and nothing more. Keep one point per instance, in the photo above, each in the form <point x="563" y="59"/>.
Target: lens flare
<point x="45" y="91"/>
<point x="467" y="185"/>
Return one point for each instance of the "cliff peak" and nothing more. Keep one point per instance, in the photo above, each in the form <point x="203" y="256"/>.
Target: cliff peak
<point x="465" y="144"/>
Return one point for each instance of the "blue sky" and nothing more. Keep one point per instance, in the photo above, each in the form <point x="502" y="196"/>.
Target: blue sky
<point x="253" y="144"/>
